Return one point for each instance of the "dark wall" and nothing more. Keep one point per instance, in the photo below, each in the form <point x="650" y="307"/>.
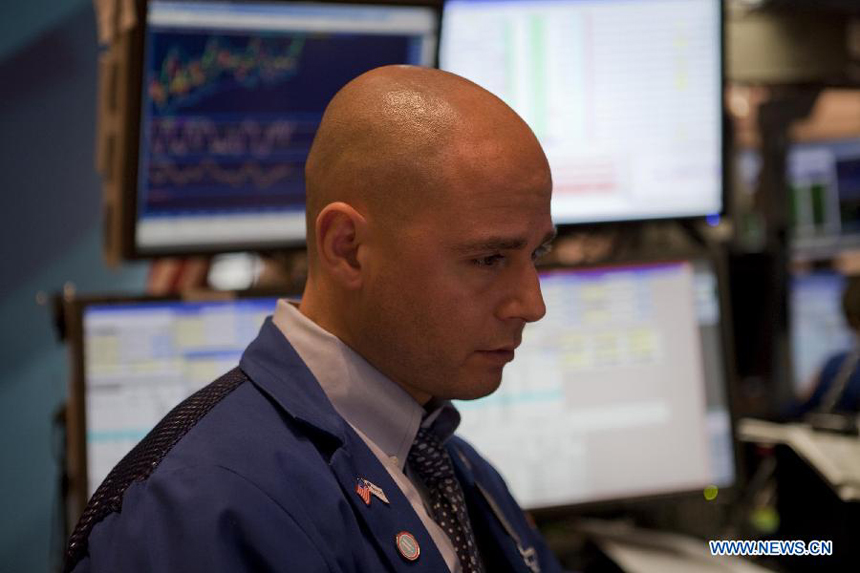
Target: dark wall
<point x="50" y="234"/>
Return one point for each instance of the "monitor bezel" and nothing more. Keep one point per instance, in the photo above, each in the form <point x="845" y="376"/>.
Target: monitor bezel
<point x="72" y="309"/>
<point x="725" y="143"/>
<point x="726" y="494"/>
<point x="129" y="248"/>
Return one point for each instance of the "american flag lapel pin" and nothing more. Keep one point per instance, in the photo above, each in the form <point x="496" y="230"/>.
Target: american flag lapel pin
<point x="377" y="492"/>
<point x="362" y="490"/>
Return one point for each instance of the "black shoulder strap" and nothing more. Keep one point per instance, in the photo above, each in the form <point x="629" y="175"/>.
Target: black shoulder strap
<point x="142" y="460"/>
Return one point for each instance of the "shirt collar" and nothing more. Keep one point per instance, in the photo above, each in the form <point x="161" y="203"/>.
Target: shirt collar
<point x="368" y="400"/>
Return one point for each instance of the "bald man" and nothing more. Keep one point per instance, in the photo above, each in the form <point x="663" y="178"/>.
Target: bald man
<point x="330" y="448"/>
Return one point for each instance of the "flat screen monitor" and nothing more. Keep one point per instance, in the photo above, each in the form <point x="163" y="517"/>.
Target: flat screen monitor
<point x="624" y="95"/>
<point x="137" y="359"/>
<point x="619" y="392"/>
<point x="232" y="95"/>
<point x="818" y="327"/>
<point x="823" y="194"/>
<point x="824" y="179"/>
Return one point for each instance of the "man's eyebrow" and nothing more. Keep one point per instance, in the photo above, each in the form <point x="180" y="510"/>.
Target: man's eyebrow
<point x="499" y="243"/>
<point x="550" y="236"/>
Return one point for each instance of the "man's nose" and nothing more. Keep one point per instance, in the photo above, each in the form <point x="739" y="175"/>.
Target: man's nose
<point x="525" y="300"/>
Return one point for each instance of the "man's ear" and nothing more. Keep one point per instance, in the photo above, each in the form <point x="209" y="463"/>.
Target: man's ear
<point x="340" y="230"/>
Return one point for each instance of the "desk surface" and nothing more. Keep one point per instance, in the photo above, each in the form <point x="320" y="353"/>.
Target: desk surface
<point x="835" y="457"/>
<point x="637" y="550"/>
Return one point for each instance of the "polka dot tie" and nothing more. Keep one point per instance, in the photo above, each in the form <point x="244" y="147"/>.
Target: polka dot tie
<point x="432" y="463"/>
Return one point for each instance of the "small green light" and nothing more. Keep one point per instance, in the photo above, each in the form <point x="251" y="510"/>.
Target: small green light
<point x="765" y="520"/>
<point x="711" y="492"/>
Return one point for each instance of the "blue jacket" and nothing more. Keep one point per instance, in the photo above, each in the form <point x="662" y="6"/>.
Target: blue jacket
<point x="265" y="481"/>
<point x="849" y="401"/>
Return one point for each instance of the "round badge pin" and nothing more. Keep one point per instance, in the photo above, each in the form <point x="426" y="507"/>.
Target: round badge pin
<point x="407" y="545"/>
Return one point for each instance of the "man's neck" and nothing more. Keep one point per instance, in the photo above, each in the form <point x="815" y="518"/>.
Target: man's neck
<point x="324" y="315"/>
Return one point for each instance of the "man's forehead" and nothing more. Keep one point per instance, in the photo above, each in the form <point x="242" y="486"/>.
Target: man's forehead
<point x="500" y="241"/>
<point x="501" y="174"/>
<point x="471" y="211"/>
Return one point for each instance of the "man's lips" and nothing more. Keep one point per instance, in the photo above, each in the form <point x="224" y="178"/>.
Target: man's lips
<point x="501" y="355"/>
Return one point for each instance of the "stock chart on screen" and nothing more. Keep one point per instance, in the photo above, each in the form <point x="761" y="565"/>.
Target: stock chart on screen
<point x="232" y="96"/>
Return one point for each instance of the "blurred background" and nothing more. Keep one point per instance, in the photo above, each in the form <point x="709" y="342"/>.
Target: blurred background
<point x="695" y="377"/>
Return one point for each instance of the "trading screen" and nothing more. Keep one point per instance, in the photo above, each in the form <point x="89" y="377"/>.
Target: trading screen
<point x="624" y="95"/>
<point x="141" y="359"/>
<point x="232" y="97"/>
<point x="818" y="327"/>
<point x="824" y="179"/>
<point x="618" y="392"/>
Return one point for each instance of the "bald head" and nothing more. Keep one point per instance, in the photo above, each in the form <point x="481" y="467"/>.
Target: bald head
<point x="428" y="205"/>
<point x="392" y="138"/>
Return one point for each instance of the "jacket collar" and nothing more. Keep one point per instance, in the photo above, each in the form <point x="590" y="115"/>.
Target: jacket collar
<point x="274" y="366"/>
<point x="367" y="399"/>
<point x="277" y="370"/>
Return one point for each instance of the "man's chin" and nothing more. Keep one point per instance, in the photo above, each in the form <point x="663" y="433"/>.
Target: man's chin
<point x="479" y="386"/>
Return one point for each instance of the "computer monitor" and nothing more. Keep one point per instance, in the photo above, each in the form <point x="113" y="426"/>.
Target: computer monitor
<point x="823" y="180"/>
<point x="619" y="392"/>
<point x="232" y="95"/>
<point x="825" y="188"/>
<point x="818" y="327"/>
<point x="624" y="95"/>
<point x="135" y="359"/>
